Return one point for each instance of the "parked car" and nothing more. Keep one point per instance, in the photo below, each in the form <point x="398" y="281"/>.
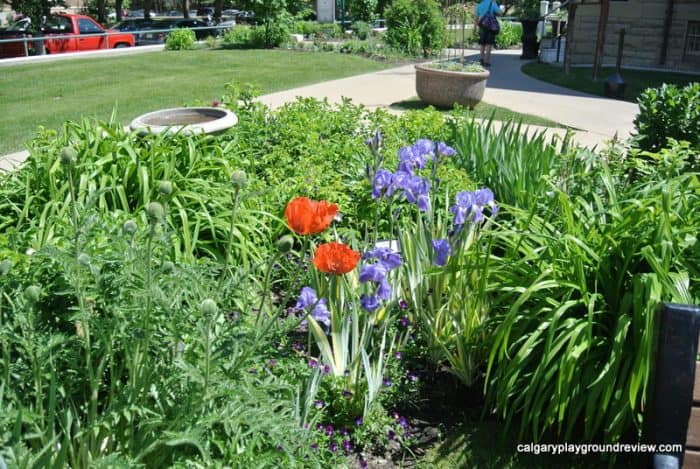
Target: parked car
<point x="205" y="12"/>
<point x="246" y="17"/>
<point x="137" y="24"/>
<point x="67" y="33"/>
<point x="73" y="33"/>
<point x="160" y="27"/>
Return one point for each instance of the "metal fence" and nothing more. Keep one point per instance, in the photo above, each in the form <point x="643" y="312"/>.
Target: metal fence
<point x="29" y="43"/>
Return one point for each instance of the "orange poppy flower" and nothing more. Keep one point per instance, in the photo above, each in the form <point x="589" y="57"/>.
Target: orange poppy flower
<point x="335" y="258"/>
<point x="305" y="216"/>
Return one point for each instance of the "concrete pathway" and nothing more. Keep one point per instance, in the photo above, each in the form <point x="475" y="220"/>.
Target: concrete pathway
<point x="595" y="120"/>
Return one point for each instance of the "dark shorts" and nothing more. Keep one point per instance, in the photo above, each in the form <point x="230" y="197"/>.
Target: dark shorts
<point x="486" y="36"/>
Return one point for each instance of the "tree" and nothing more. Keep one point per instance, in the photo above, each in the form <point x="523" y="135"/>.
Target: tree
<point x="34" y="9"/>
<point x="362" y="10"/>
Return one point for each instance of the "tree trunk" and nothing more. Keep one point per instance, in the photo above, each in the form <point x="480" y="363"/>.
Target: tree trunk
<point x="569" y="37"/>
<point x="147" y="9"/>
<point x="118" y="6"/>
<point x="600" y="40"/>
<point x="218" y="8"/>
<point x="186" y="8"/>
<point x="101" y="12"/>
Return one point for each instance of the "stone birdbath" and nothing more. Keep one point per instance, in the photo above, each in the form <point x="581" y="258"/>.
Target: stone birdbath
<point x="187" y="120"/>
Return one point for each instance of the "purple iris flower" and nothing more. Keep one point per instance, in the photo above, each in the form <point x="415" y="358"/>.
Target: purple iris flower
<point x="382" y="182"/>
<point x="373" y="272"/>
<point x="320" y="312"/>
<point x="375" y="142"/>
<point x="415" y="186"/>
<point x="442" y="250"/>
<point x="399" y="180"/>
<point x="369" y="303"/>
<point x="411" y="158"/>
<point x="307" y="298"/>
<point x="384" y="290"/>
<point x="424" y="146"/>
<point x="423" y="202"/>
<point x="445" y="150"/>
<point x="387" y="256"/>
<point x="472" y="203"/>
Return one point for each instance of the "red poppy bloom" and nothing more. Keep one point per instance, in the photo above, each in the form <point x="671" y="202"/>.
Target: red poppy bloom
<point x="335" y="258"/>
<point x="305" y="216"/>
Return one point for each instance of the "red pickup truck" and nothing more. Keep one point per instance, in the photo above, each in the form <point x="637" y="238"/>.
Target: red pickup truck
<point x="66" y="33"/>
<point x="75" y="33"/>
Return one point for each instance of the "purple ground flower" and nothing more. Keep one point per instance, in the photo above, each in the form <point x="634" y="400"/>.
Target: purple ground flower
<point x="313" y="363"/>
<point x="386" y="382"/>
<point x="359" y="421"/>
<point x="319" y="404"/>
<point x="347" y="446"/>
<point x="329" y="430"/>
<point x="442" y="251"/>
<point x="403" y="304"/>
<point x="398" y="355"/>
<point x="391" y="435"/>
<point x="404" y="322"/>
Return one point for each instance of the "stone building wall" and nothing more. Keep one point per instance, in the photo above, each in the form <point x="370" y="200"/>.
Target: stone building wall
<point x="643" y="21"/>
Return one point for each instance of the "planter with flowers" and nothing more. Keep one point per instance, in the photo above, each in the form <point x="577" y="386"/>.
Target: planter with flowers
<point x="444" y="84"/>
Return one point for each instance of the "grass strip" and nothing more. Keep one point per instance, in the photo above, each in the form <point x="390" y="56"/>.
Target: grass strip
<point x="48" y="94"/>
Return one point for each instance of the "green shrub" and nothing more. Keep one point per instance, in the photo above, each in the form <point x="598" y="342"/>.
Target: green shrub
<point x="307" y="28"/>
<point x="416" y="27"/>
<point x="509" y="35"/>
<point x="668" y="112"/>
<point x="181" y="39"/>
<point x="240" y="36"/>
<point x="579" y="266"/>
<point x="362" y="10"/>
<point x="361" y="29"/>
<point x="330" y="31"/>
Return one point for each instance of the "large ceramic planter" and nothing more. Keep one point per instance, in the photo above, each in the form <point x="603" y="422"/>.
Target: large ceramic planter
<point x="445" y="88"/>
<point x="187" y="120"/>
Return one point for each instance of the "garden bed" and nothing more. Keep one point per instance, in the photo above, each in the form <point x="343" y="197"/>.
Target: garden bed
<point x="210" y="300"/>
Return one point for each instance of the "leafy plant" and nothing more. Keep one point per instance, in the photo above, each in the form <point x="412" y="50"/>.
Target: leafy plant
<point x="510" y="34"/>
<point x="181" y="39"/>
<point x="362" y="29"/>
<point x="415" y="26"/>
<point x="668" y="112"/>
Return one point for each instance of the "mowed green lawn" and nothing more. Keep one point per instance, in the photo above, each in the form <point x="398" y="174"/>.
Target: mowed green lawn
<point x="49" y="94"/>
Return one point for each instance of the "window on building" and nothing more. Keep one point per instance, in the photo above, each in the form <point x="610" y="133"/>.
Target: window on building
<point x="691" y="53"/>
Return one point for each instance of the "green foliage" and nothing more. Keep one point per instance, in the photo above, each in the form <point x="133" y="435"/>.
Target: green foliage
<point x="121" y="170"/>
<point x="362" y="29"/>
<point x="274" y="22"/>
<point x="585" y="254"/>
<point x="119" y="363"/>
<point x="362" y="10"/>
<point x="510" y="34"/>
<point x="668" y="112"/>
<point x="238" y="37"/>
<point x="417" y="27"/>
<point x="180" y="39"/>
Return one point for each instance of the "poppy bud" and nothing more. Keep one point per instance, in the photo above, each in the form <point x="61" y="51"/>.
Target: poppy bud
<point x="285" y="244"/>
<point x="208" y="307"/>
<point x="165" y="188"/>
<point x="32" y="293"/>
<point x="68" y="156"/>
<point x="154" y="210"/>
<point x="5" y="267"/>
<point x="239" y="179"/>
<point x="168" y="267"/>
<point x="129" y="227"/>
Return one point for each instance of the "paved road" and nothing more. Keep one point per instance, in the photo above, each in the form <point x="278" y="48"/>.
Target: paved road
<point x="595" y="119"/>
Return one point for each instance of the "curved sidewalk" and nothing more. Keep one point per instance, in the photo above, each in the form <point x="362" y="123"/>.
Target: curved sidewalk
<point x="594" y="120"/>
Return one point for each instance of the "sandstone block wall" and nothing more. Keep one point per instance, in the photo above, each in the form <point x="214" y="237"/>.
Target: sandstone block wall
<point x="643" y="21"/>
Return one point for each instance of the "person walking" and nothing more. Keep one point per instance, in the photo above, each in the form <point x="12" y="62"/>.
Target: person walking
<point x="486" y="12"/>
